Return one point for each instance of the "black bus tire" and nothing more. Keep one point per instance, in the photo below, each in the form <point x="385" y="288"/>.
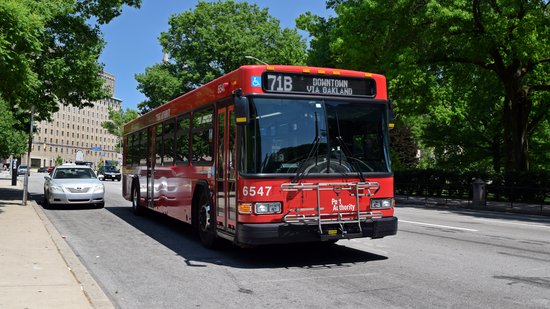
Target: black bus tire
<point x="206" y="225"/>
<point x="135" y="201"/>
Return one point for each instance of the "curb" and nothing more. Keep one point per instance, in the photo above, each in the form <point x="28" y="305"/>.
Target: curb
<point x="88" y="285"/>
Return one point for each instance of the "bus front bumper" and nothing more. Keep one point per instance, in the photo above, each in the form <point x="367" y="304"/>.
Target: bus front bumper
<point x="281" y="233"/>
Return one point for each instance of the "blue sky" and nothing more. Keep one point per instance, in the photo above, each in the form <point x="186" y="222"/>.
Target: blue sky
<point x="132" y="38"/>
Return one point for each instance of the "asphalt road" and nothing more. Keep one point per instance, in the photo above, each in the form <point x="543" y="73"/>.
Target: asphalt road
<point x="440" y="258"/>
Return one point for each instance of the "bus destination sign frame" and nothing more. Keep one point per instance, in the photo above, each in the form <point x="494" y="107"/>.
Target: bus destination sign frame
<point x="296" y="83"/>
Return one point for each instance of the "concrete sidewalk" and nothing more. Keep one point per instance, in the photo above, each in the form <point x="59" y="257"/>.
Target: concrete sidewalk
<point x="37" y="267"/>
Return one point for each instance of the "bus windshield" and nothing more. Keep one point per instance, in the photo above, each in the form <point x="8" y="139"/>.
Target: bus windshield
<point x="290" y="136"/>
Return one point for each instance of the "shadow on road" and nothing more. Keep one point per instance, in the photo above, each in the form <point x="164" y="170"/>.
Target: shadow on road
<point x="179" y="238"/>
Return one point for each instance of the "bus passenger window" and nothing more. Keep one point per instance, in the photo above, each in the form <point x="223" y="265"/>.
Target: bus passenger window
<point x="182" y="140"/>
<point x="203" y="136"/>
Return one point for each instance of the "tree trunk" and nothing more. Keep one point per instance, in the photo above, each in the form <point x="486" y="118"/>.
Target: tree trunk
<point x="516" y="116"/>
<point x="496" y="149"/>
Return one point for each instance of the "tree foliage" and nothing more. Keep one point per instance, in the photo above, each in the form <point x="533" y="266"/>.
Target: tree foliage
<point x="117" y="120"/>
<point x="478" y="71"/>
<point x="12" y="142"/>
<point x="211" y="40"/>
<point x="49" y="52"/>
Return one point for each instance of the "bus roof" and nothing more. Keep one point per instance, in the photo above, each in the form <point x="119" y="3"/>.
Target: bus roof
<point x="248" y="79"/>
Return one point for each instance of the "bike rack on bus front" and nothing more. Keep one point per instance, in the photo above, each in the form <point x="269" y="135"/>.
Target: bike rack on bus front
<point x="341" y="218"/>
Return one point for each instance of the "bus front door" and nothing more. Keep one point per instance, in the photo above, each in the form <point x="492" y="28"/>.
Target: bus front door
<point x="226" y="169"/>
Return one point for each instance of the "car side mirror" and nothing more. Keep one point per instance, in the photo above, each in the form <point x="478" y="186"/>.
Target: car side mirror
<point x="48" y="177"/>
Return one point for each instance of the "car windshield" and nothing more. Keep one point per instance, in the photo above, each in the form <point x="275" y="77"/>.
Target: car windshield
<point x="316" y="136"/>
<point x="111" y="169"/>
<point x="69" y="173"/>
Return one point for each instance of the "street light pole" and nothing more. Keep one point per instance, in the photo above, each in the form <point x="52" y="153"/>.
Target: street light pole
<point x="26" y="181"/>
<point x="256" y="59"/>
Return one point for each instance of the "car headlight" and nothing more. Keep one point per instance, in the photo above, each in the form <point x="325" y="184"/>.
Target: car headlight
<point x="56" y="188"/>
<point x="99" y="188"/>
<point x="381" y="203"/>
<point x="267" y="208"/>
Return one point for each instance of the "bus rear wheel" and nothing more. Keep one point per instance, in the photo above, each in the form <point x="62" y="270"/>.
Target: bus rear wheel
<point x="135" y="201"/>
<point x="206" y="221"/>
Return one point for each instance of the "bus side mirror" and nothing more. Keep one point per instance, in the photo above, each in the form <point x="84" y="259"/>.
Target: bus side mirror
<point x="242" y="109"/>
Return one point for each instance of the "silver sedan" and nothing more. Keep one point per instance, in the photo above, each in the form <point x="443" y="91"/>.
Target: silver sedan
<point x="73" y="185"/>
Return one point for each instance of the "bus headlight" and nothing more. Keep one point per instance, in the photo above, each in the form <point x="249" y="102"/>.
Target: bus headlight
<point x="381" y="203"/>
<point x="262" y="208"/>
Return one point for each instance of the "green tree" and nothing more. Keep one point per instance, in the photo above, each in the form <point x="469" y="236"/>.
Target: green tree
<point x="211" y="40"/>
<point x="117" y="120"/>
<point x="12" y="141"/>
<point x="404" y="148"/>
<point x="49" y="52"/>
<point x="58" y="160"/>
<point x="426" y="46"/>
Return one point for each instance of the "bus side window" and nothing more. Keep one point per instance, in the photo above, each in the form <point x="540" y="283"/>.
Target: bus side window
<point x="168" y="140"/>
<point x="159" y="145"/>
<point x="182" y="140"/>
<point x="203" y="142"/>
<point x="126" y="148"/>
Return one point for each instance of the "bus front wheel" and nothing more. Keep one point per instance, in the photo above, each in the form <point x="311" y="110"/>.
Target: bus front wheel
<point x="206" y="221"/>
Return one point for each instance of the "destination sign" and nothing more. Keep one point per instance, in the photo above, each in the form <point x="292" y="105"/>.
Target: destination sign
<point x="318" y="84"/>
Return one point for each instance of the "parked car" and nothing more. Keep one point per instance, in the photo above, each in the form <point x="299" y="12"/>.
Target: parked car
<point x="22" y="169"/>
<point x="50" y="169"/>
<point x="43" y="169"/>
<point x="110" y="172"/>
<point x="73" y="185"/>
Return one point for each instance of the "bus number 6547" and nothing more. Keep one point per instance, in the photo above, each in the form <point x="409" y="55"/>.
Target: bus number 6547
<point x="253" y="190"/>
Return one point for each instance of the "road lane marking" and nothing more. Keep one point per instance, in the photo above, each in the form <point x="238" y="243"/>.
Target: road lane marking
<point x="513" y="223"/>
<point x="442" y="226"/>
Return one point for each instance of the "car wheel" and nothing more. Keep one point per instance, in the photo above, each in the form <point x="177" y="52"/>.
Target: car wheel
<point x="135" y="201"/>
<point x="100" y="205"/>
<point x="46" y="203"/>
<point x="206" y="221"/>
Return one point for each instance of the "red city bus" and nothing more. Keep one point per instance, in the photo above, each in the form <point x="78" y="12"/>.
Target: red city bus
<point x="268" y="154"/>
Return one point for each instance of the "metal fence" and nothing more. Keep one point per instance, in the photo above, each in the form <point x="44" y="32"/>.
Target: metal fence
<point x="496" y="197"/>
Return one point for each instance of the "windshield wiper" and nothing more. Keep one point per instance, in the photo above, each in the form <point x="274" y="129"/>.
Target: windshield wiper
<point x="314" y="149"/>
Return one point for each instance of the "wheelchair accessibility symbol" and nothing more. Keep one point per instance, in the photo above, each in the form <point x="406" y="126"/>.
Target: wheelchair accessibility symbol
<point x="256" y="81"/>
